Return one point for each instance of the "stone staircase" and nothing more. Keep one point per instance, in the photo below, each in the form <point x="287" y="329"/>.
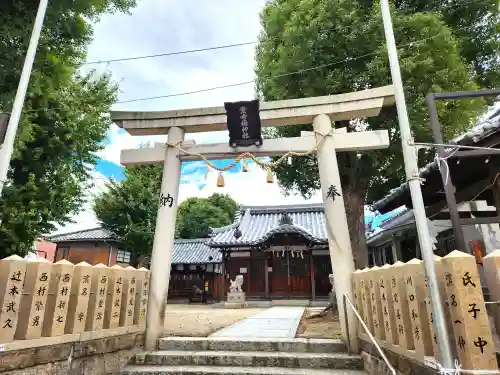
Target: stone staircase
<point x="202" y="356"/>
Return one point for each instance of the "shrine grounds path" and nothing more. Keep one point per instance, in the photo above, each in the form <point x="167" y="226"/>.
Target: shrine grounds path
<point x="201" y="320"/>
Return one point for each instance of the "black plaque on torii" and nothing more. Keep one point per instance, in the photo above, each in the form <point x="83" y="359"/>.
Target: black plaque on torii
<point x="243" y="123"/>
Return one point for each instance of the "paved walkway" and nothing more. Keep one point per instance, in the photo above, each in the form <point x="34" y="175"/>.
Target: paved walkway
<point x="275" y="322"/>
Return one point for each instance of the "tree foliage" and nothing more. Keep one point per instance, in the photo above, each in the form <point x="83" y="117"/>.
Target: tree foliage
<point x="128" y="209"/>
<point x="62" y="125"/>
<point x="339" y="46"/>
<point x="197" y="215"/>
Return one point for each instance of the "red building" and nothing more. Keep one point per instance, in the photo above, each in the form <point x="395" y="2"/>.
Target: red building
<point x="45" y="249"/>
<point x="282" y="252"/>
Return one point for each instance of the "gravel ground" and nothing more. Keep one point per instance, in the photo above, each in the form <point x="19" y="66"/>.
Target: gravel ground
<point x="326" y="327"/>
<point x="201" y="321"/>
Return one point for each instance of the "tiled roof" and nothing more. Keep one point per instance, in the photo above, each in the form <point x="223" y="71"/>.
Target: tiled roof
<point x="395" y="222"/>
<point x="194" y="252"/>
<point x="483" y="130"/>
<point x="99" y="234"/>
<point x="257" y="224"/>
<point x="403" y="217"/>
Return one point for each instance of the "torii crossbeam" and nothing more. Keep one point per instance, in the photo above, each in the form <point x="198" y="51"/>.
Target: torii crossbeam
<point x="320" y="111"/>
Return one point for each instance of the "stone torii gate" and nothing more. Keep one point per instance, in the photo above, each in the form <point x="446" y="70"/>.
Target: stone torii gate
<point x="320" y="111"/>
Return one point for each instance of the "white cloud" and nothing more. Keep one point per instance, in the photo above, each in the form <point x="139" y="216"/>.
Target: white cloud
<point x="85" y="218"/>
<point x="119" y="140"/>
<point x="159" y="26"/>
<point x="247" y="188"/>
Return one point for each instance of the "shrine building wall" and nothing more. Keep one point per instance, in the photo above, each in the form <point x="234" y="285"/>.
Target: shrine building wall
<point x="281" y="274"/>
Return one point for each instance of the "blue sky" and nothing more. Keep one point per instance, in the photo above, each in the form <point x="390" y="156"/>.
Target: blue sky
<point x="160" y="26"/>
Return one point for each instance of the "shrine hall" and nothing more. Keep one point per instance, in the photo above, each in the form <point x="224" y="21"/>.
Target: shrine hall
<point x="281" y="252"/>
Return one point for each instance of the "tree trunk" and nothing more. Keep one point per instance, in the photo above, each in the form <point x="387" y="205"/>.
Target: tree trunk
<point x="354" y="200"/>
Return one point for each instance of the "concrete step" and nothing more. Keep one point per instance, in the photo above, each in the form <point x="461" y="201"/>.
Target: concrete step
<point x="251" y="359"/>
<point x="295" y="345"/>
<point x="227" y="370"/>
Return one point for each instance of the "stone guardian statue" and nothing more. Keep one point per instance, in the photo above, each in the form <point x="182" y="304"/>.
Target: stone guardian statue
<point x="236" y="284"/>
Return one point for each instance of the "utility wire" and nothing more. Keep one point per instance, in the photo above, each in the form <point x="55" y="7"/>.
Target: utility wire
<point x="278" y="75"/>
<point x="184" y="52"/>
<point x="170" y="53"/>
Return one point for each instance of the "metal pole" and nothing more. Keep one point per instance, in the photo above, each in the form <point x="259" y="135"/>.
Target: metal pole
<point x="10" y="136"/>
<point x="412" y="174"/>
<point x="449" y="188"/>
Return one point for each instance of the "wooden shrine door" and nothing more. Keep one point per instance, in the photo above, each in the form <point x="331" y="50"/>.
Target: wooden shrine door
<point x="290" y="276"/>
<point x="323" y="268"/>
<point x="257" y="283"/>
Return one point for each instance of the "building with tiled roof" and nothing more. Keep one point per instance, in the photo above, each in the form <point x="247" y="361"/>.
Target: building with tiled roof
<point x="464" y="171"/>
<point x="281" y="251"/>
<point x="194" y="263"/>
<point x="258" y="224"/>
<point x="476" y="195"/>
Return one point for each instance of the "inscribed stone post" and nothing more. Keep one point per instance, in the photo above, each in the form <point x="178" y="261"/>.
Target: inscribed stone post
<point x="491" y="265"/>
<point x="365" y="298"/>
<point x="399" y="299"/>
<point x="12" y="273"/>
<point x="447" y="311"/>
<point x="413" y="305"/>
<point x="356" y="287"/>
<point x="476" y="349"/>
<point x="128" y="297"/>
<point x="34" y="299"/>
<point x="56" y="311"/>
<point x="384" y="282"/>
<point x="114" y="300"/>
<point x="79" y="298"/>
<point x="97" y="300"/>
<point x="376" y="303"/>
<point x="141" y="303"/>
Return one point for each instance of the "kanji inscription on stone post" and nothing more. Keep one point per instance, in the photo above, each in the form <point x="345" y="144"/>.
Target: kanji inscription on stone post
<point x="141" y="305"/>
<point x="446" y="307"/>
<point x="12" y="273"/>
<point x="365" y="298"/>
<point x="476" y="350"/>
<point x="358" y="293"/>
<point x="97" y="301"/>
<point x="128" y="298"/>
<point x="415" y="315"/>
<point x="384" y="283"/>
<point x="491" y="266"/>
<point x="404" y="299"/>
<point x="79" y="299"/>
<point x="34" y="299"/>
<point x="115" y="292"/>
<point x="376" y="303"/>
<point x="56" y="312"/>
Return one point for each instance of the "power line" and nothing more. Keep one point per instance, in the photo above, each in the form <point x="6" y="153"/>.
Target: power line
<point x="278" y="75"/>
<point x="185" y="52"/>
<point x="170" y="53"/>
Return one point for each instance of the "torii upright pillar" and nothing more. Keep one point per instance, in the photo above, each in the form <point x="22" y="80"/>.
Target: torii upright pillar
<point x="320" y="111"/>
<point x="338" y="232"/>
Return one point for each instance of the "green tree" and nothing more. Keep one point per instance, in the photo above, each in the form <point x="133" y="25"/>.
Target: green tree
<point x="128" y="209"/>
<point x="62" y="126"/>
<point x="345" y="38"/>
<point x="197" y="215"/>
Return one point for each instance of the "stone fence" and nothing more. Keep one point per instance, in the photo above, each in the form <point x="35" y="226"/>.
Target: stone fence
<point x="45" y="304"/>
<point x="395" y="305"/>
